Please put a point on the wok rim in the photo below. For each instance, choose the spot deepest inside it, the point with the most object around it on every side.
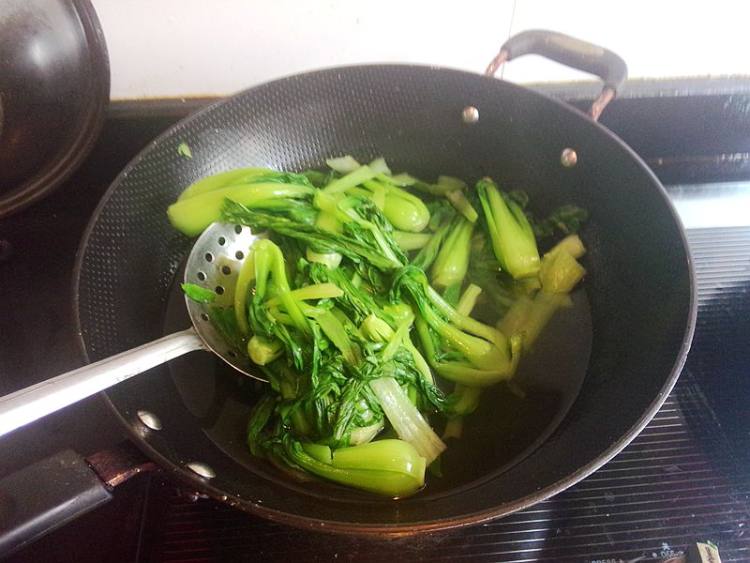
(401, 529)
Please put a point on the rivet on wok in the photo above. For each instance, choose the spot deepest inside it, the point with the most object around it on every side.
(149, 420)
(201, 469)
(568, 158)
(470, 114)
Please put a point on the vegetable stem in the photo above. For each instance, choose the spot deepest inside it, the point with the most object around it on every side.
(510, 231)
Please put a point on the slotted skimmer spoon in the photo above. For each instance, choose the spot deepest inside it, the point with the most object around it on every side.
(214, 263)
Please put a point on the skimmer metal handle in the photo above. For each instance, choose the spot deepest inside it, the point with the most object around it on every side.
(35, 402)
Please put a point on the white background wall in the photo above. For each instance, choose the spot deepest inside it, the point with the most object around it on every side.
(181, 48)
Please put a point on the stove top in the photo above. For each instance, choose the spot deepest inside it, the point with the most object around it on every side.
(684, 479)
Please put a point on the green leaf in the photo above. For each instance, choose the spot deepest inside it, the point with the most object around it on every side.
(225, 321)
(352, 244)
(198, 293)
(566, 219)
(193, 215)
(520, 197)
(184, 150)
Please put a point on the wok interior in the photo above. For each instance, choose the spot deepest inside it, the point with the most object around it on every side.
(638, 285)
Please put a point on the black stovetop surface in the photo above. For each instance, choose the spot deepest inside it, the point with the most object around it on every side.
(684, 479)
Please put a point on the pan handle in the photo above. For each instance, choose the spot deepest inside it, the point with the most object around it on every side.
(571, 52)
(37, 401)
(48, 494)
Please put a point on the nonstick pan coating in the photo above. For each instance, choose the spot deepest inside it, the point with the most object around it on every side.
(639, 286)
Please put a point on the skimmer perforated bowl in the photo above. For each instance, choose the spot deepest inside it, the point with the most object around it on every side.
(214, 263)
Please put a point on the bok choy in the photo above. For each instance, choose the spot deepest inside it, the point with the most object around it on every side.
(359, 305)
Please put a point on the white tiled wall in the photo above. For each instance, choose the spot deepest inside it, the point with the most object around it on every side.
(161, 48)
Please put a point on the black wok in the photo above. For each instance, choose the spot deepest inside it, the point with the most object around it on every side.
(636, 310)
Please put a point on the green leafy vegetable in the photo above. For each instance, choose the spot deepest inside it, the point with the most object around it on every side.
(567, 219)
(459, 200)
(334, 306)
(343, 164)
(411, 241)
(458, 347)
(264, 350)
(528, 317)
(509, 230)
(404, 210)
(192, 215)
(452, 261)
(198, 293)
(222, 180)
(408, 422)
(184, 150)
(356, 244)
(560, 272)
(389, 467)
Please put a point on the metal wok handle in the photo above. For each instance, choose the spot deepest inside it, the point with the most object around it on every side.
(37, 401)
(571, 52)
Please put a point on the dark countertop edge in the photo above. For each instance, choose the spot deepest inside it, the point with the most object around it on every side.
(572, 91)
(650, 88)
